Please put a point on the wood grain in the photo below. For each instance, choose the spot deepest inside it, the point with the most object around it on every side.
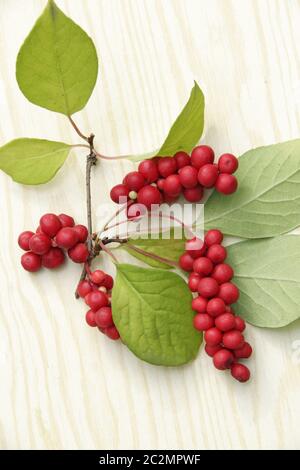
(63, 386)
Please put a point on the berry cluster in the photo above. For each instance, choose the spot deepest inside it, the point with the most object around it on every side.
(163, 179)
(96, 291)
(210, 277)
(46, 246)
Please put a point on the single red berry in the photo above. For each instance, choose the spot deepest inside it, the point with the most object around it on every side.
(199, 304)
(66, 237)
(40, 243)
(233, 339)
(226, 184)
(202, 155)
(223, 359)
(194, 279)
(167, 166)
(213, 336)
(103, 317)
(148, 196)
(119, 193)
(39, 230)
(90, 318)
(82, 232)
(207, 175)
(216, 253)
(182, 159)
(96, 300)
(228, 163)
(108, 282)
(148, 169)
(84, 288)
(50, 224)
(188, 176)
(222, 273)
(97, 277)
(212, 237)
(203, 266)
(211, 350)
(208, 287)
(172, 186)
(31, 261)
(134, 181)
(160, 183)
(193, 194)
(244, 352)
(79, 253)
(203, 322)
(195, 247)
(186, 262)
(215, 307)
(229, 293)
(112, 332)
(225, 322)
(240, 324)
(169, 199)
(66, 220)
(240, 372)
(24, 238)
(53, 259)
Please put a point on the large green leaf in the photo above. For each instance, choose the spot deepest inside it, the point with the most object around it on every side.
(32, 161)
(57, 65)
(267, 272)
(152, 311)
(267, 202)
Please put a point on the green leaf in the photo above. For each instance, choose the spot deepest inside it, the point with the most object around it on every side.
(152, 311)
(57, 65)
(33, 161)
(267, 202)
(170, 248)
(267, 272)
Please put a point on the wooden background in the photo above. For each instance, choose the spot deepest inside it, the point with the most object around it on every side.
(63, 385)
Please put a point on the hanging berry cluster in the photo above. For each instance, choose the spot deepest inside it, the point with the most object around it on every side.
(211, 278)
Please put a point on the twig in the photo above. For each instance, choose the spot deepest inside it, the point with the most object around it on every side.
(84, 137)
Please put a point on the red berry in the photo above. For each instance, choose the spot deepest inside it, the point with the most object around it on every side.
(148, 169)
(195, 247)
(211, 350)
(186, 262)
(66, 220)
(67, 237)
(169, 199)
(90, 318)
(40, 243)
(208, 287)
(84, 288)
(203, 265)
(167, 166)
(199, 304)
(194, 279)
(229, 293)
(103, 317)
(225, 322)
(244, 352)
(216, 253)
(24, 238)
(79, 253)
(39, 230)
(134, 181)
(108, 282)
(223, 359)
(182, 159)
(226, 184)
(212, 237)
(213, 336)
(193, 194)
(160, 183)
(82, 232)
(112, 332)
(240, 324)
(240, 372)
(228, 163)
(222, 273)
(172, 186)
(188, 176)
(119, 193)
(31, 261)
(97, 277)
(233, 339)
(207, 175)
(50, 224)
(96, 300)
(203, 322)
(202, 155)
(149, 195)
(53, 259)
(215, 307)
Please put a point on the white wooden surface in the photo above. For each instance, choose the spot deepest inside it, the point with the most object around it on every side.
(63, 385)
